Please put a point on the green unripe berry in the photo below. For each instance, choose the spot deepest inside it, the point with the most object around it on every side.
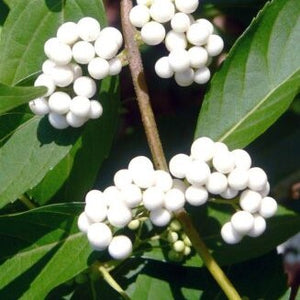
(175, 225)
(134, 224)
(179, 246)
(186, 240)
(187, 250)
(172, 236)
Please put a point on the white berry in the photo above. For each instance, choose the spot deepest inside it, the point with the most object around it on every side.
(163, 68)
(59, 102)
(229, 234)
(115, 66)
(153, 198)
(217, 183)
(62, 75)
(257, 179)
(153, 33)
(242, 159)
(242, 222)
(238, 179)
(83, 223)
(207, 24)
(98, 68)
(120, 247)
(39, 106)
(94, 195)
(180, 22)
(184, 78)
(99, 236)
(112, 33)
(198, 172)
(175, 40)
(88, 29)
(268, 207)
(122, 178)
(196, 196)
(75, 121)
(144, 179)
(139, 163)
(197, 34)
(198, 57)
(250, 201)
(162, 11)
(229, 193)
(67, 33)
(180, 185)
(187, 6)
(174, 200)
(214, 45)
(179, 165)
(96, 109)
(83, 52)
(85, 86)
(160, 217)
(132, 195)
(48, 66)
(77, 71)
(80, 106)
(47, 81)
(112, 195)
(223, 162)
(179, 60)
(58, 52)
(119, 215)
(202, 149)
(58, 121)
(139, 15)
(266, 190)
(202, 75)
(106, 48)
(259, 226)
(96, 210)
(163, 180)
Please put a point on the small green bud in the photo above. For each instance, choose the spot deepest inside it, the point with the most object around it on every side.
(172, 236)
(186, 240)
(187, 250)
(175, 225)
(134, 224)
(179, 246)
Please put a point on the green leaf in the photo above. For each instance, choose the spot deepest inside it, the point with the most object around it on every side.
(258, 80)
(29, 154)
(21, 50)
(40, 249)
(209, 220)
(11, 97)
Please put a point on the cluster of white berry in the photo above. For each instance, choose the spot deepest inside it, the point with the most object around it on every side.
(191, 43)
(138, 186)
(80, 53)
(213, 169)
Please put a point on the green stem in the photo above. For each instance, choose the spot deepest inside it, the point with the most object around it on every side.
(143, 99)
(110, 280)
(27, 202)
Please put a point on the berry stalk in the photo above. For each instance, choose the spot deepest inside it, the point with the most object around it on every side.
(141, 89)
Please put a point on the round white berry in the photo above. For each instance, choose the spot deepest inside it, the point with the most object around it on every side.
(48, 66)
(229, 193)
(139, 15)
(172, 236)
(122, 178)
(83, 52)
(39, 106)
(214, 45)
(179, 60)
(80, 106)
(88, 29)
(242, 159)
(132, 195)
(202, 75)
(250, 201)
(98, 68)
(47, 81)
(96, 210)
(229, 234)
(144, 2)
(58, 52)
(153, 198)
(75, 121)
(179, 165)
(99, 236)
(139, 163)
(202, 149)
(94, 195)
(59, 102)
(180, 22)
(62, 75)
(217, 183)
(106, 47)
(184, 78)
(218, 146)
(174, 200)
(198, 172)
(83, 223)
(144, 179)
(266, 190)
(180, 185)
(112, 195)
(160, 217)
(85, 86)
(238, 179)
(67, 33)
(162, 68)
(163, 180)
(259, 226)
(197, 34)
(120, 247)
(268, 207)
(77, 71)
(112, 33)
(196, 196)
(162, 11)
(207, 24)
(242, 222)
(115, 66)
(96, 109)
(119, 215)
(175, 40)
(198, 57)
(58, 121)
(134, 224)
(257, 179)
(223, 162)
(179, 246)
(187, 6)
(153, 33)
